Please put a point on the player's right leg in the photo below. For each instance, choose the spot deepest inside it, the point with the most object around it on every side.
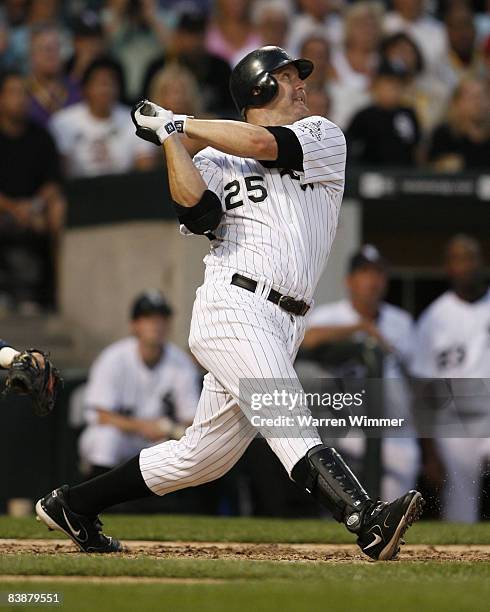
(250, 348)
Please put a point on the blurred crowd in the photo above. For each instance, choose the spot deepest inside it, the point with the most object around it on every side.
(408, 82)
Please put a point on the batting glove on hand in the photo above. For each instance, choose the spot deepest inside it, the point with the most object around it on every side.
(154, 123)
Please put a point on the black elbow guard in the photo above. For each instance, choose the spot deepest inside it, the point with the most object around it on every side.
(204, 217)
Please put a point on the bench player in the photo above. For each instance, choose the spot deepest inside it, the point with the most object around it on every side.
(452, 341)
(268, 198)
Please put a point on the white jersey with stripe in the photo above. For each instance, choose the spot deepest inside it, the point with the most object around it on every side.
(279, 224)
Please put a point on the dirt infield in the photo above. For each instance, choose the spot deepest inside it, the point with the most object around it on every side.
(255, 552)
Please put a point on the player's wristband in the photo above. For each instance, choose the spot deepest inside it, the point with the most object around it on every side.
(166, 130)
(180, 121)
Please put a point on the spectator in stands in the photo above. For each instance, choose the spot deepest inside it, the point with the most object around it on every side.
(452, 341)
(316, 48)
(13, 13)
(88, 44)
(462, 58)
(271, 19)
(486, 61)
(23, 18)
(31, 203)
(141, 389)
(175, 88)
(429, 34)
(316, 16)
(319, 102)
(318, 86)
(135, 32)
(4, 43)
(425, 92)
(386, 133)
(96, 136)
(362, 315)
(356, 61)
(464, 140)
(230, 33)
(187, 47)
(49, 90)
(482, 22)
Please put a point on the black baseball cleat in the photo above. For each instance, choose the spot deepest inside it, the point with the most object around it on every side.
(54, 511)
(384, 525)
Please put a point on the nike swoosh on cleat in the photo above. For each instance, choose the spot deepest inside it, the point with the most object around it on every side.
(76, 534)
(377, 540)
(384, 522)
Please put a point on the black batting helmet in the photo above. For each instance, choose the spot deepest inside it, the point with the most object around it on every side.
(252, 82)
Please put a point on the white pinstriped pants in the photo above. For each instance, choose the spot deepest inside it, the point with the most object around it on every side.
(234, 334)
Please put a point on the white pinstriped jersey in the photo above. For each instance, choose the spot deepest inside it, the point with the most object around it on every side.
(279, 225)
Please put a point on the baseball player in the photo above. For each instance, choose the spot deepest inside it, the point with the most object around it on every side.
(452, 341)
(141, 389)
(267, 193)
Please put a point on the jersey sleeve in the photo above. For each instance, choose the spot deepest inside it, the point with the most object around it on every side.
(103, 383)
(212, 174)
(324, 151)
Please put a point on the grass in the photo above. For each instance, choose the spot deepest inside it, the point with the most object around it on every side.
(248, 585)
(297, 587)
(212, 529)
(230, 569)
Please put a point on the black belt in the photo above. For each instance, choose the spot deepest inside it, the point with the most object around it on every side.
(289, 304)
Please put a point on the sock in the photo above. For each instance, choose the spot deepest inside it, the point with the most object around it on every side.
(123, 483)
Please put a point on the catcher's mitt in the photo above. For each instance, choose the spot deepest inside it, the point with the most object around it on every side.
(26, 376)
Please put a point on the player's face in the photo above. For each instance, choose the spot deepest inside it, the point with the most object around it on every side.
(151, 330)
(463, 264)
(367, 285)
(290, 101)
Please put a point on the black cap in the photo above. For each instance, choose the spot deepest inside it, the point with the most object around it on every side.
(393, 69)
(367, 256)
(252, 82)
(150, 302)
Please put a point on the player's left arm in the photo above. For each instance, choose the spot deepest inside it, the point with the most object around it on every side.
(234, 137)
(313, 145)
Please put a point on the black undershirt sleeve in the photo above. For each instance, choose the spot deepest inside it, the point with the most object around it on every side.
(289, 151)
